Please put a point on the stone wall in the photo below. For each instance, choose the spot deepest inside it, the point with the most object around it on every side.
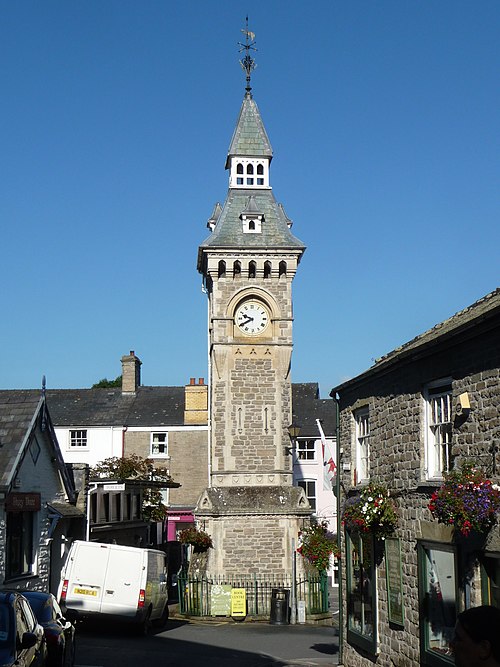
(187, 460)
(396, 408)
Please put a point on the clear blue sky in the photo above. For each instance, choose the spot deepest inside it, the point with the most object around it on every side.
(116, 118)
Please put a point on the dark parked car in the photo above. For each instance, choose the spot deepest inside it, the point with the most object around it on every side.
(22, 641)
(59, 632)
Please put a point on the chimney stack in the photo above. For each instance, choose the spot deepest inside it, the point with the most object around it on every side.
(196, 402)
(131, 373)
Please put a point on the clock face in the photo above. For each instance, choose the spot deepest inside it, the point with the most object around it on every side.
(252, 318)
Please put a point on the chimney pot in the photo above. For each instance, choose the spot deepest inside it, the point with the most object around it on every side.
(192, 381)
(201, 381)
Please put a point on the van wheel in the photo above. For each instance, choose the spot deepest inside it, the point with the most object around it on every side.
(143, 626)
(162, 621)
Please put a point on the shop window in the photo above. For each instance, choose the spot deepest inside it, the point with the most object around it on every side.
(438, 602)
(490, 579)
(361, 592)
(19, 551)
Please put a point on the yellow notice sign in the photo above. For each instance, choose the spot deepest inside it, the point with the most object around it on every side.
(238, 602)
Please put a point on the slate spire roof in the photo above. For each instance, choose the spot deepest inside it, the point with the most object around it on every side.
(249, 140)
(250, 137)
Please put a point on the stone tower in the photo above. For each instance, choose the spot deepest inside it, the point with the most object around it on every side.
(248, 263)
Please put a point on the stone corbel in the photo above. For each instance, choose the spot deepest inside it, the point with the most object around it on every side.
(220, 360)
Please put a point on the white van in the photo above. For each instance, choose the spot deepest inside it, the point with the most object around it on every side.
(115, 581)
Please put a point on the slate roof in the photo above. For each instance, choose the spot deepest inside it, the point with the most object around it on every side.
(18, 410)
(249, 140)
(250, 137)
(479, 313)
(307, 407)
(228, 231)
(150, 406)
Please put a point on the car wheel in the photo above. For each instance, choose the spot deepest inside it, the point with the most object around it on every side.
(143, 626)
(162, 621)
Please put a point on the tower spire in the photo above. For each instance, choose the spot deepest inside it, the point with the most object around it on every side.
(248, 63)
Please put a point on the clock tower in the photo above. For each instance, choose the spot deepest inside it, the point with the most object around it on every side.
(248, 264)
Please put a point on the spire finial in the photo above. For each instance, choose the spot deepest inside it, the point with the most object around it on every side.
(248, 63)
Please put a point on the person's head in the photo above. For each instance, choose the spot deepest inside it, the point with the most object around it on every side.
(477, 637)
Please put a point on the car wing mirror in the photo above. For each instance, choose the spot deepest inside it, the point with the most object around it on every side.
(29, 639)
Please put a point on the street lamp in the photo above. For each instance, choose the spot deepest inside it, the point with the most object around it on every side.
(293, 432)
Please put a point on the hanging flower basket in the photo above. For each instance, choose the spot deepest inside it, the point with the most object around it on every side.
(467, 500)
(316, 545)
(200, 540)
(372, 511)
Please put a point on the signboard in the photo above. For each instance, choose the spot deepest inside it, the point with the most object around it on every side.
(238, 602)
(394, 580)
(23, 502)
(113, 487)
(220, 600)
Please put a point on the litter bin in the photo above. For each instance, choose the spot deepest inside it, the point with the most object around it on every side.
(280, 606)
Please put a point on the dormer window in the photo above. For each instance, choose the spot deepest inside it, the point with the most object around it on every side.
(252, 225)
(251, 217)
(249, 173)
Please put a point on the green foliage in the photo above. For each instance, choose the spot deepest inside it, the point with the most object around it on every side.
(135, 468)
(199, 539)
(108, 384)
(316, 545)
(372, 511)
(466, 500)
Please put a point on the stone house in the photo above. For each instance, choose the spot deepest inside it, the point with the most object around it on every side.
(40, 511)
(420, 411)
(165, 424)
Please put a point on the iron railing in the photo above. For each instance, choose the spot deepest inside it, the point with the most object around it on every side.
(195, 592)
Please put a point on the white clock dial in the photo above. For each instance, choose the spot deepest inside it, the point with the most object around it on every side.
(252, 318)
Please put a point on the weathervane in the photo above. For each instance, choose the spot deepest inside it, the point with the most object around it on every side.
(248, 63)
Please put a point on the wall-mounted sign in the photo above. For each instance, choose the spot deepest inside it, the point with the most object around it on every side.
(23, 502)
(394, 580)
(113, 487)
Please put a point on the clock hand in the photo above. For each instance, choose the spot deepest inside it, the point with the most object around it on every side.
(247, 319)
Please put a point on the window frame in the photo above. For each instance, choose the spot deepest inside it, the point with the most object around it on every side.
(428, 657)
(435, 463)
(25, 552)
(486, 579)
(362, 444)
(306, 481)
(304, 447)
(159, 455)
(78, 439)
(365, 545)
